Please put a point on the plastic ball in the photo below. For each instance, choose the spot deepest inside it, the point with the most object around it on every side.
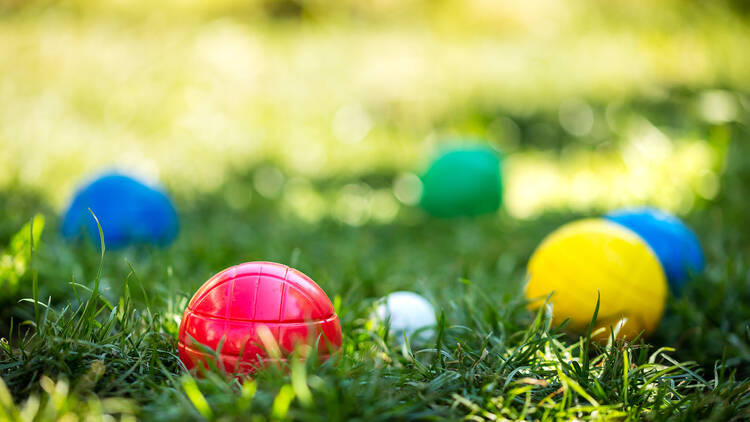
(463, 182)
(677, 247)
(257, 313)
(408, 314)
(595, 255)
(129, 212)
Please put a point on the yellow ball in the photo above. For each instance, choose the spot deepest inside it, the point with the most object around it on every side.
(588, 255)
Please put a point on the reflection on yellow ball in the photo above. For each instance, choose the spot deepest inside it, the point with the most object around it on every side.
(582, 257)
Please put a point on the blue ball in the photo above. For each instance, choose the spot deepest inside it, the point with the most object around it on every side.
(129, 212)
(677, 247)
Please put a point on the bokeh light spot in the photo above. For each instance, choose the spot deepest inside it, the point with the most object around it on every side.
(384, 206)
(717, 106)
(304, 201)
(238, 195)
(576, 117)
(268, 181)
(353, 205)
(351, 124)
(407, 188)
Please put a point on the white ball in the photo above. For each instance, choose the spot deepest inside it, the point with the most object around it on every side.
(408, 313)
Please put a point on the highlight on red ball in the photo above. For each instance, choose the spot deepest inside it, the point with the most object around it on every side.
(254, 314)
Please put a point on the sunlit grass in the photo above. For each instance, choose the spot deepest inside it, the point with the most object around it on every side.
(190, 98)
(295, 131)
(670, 178)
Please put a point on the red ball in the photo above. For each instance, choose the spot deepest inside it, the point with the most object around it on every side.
(238, 307)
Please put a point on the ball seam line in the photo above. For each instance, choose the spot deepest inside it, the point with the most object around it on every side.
(236, 274)
(284, 286)
(200, 299)
(257, 288)
(292, 321)
(222, 355)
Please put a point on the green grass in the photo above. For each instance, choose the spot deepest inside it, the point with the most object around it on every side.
(106, 342)
(85, 335)
(90, 84)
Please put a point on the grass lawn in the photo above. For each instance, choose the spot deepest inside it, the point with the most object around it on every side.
(91, 335)
(113, 350)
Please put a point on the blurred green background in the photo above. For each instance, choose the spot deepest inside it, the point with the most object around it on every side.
(294, 131)
(596, 105)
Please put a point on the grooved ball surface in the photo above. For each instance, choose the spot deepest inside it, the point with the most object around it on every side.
(237, 305)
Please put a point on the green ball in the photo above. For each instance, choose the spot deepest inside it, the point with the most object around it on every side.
(463, 182)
